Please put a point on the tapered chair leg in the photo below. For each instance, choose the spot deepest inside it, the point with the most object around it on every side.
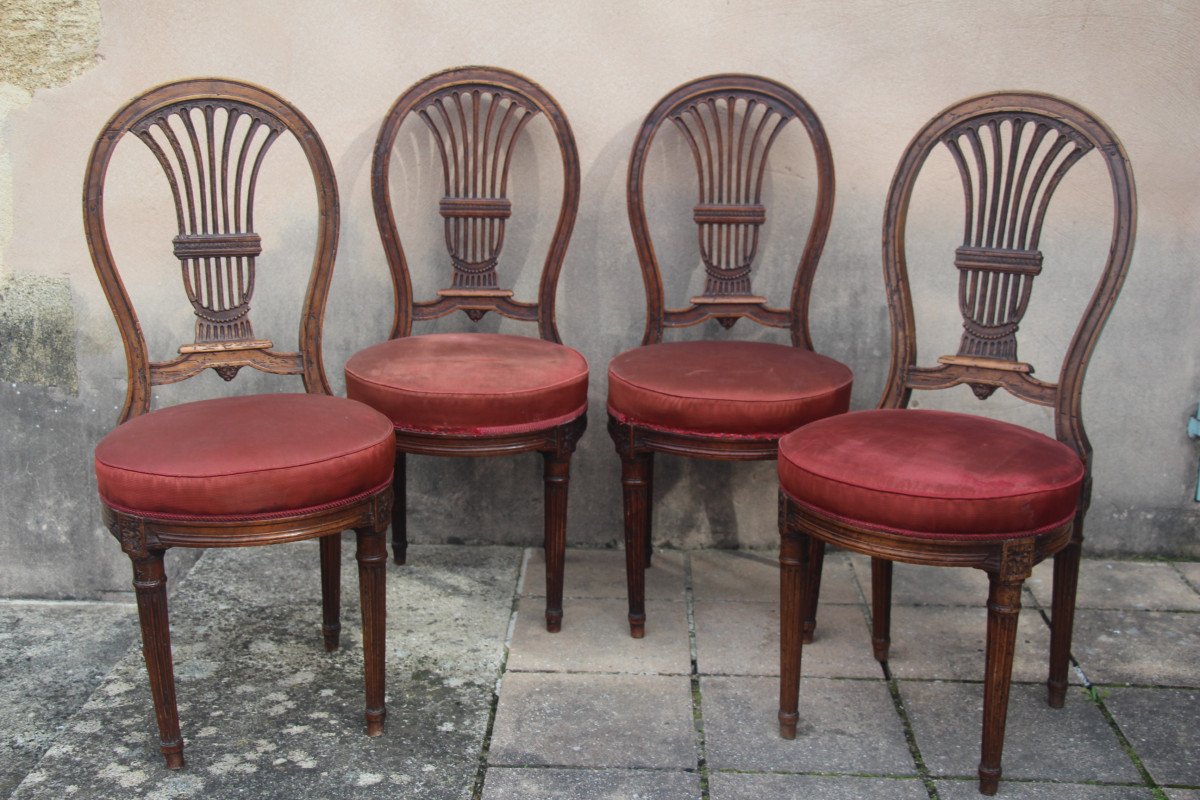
(400, 511)
(371, 554)
(331, 589)
(649, 509)
(794, 566)
(881, 608)
(812, 587)
(557, 476)
(1004, 607)
(1062, 617)
(634, 489)
(150, 583)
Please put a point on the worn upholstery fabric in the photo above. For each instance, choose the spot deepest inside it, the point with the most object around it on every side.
(245, 457)
(932, 473)
(470, 383)
(726, 387)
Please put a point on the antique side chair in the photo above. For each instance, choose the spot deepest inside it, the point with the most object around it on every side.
(478, 394)
(724, 400)
(955, 489)
(245, 470)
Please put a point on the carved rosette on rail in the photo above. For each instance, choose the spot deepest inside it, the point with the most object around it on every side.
(212, 153)
(730, 137)
(1010, 167)
(476, 128)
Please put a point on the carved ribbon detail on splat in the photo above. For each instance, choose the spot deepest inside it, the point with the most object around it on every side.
(212, 152)
(1010, 167)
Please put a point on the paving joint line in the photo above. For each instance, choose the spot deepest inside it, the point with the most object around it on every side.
(697, 708)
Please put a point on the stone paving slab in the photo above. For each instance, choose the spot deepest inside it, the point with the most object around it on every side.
(594, 720)
(846, 726)
(949, 643)
(1073, 743)
(1138, 647)
(1021, 790)
(914, 584)
(267, 713)
(595, 638)
(601, 573)
(1163, 725)
(753, 576)
(52, 656)
(748, 786)
(1190, 570)
(515, 783)
(1146, 585)
(743, 639)
(1182, 794)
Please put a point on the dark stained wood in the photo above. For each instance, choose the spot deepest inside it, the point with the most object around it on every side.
(1008, 181)
(730, 123)
(475, 116)
(211, 136)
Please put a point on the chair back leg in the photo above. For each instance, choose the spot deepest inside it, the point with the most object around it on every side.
(1062, 614)
(636, 495)
(331, 589)
(400, 510)
(881, 608)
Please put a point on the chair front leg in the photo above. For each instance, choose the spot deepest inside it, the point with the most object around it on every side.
(556, 472)
(1004, 608)
(1062, 615)
(400, 510)
(371, 554)
(331, 589)
(150, 583)
(881, 608)
(649, 509)
(635, 495)
(795, 553)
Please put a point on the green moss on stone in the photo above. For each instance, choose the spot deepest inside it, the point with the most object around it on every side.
(37, 331)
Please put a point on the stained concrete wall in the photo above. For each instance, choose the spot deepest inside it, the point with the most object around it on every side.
(875, 71)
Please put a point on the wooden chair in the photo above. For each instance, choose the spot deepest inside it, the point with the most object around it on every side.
(952, 489)
(724, 400)
(246, 470)
(478, 394)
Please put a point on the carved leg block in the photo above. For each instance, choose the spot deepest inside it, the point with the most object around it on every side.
(1062, 619)
(794, 565)
(635, 493)
(1004, 607)
(557, 476)
(150, 583)
(331, 589)
(881, 608)
(372, 562)
(400, 511)
(812, 588)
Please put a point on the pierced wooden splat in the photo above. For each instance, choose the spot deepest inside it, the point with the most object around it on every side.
(730, 135)
(476, 128)
(1010, 165)
(212, 152)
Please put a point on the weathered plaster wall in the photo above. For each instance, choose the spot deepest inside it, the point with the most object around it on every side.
(875, 71)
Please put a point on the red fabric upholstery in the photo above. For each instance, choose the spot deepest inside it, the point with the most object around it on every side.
(932, 473)
(470, 383)
(245, 457)
(726, 387)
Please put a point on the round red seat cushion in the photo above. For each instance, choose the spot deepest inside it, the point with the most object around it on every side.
(932, 473)
(245, 457)
(726, 387)
(470, 383)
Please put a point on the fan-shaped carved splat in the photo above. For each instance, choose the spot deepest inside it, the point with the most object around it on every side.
(730, 136)
(476, 128)
(1010, 167)
(211, 152)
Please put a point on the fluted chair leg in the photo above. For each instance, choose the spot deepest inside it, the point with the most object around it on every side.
(331, 589)
(1004, 607)
(794, 566)
(634, 488)
(1062, 617)
(649, 509)
(812, 587)
(150, 583)
(881, 607)
(371, 555)
(400, 511)
(557, 477)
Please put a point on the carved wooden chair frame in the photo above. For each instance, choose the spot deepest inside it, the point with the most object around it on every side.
(218, 273)
(728, 214)
(475, 208)
(997, 262)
